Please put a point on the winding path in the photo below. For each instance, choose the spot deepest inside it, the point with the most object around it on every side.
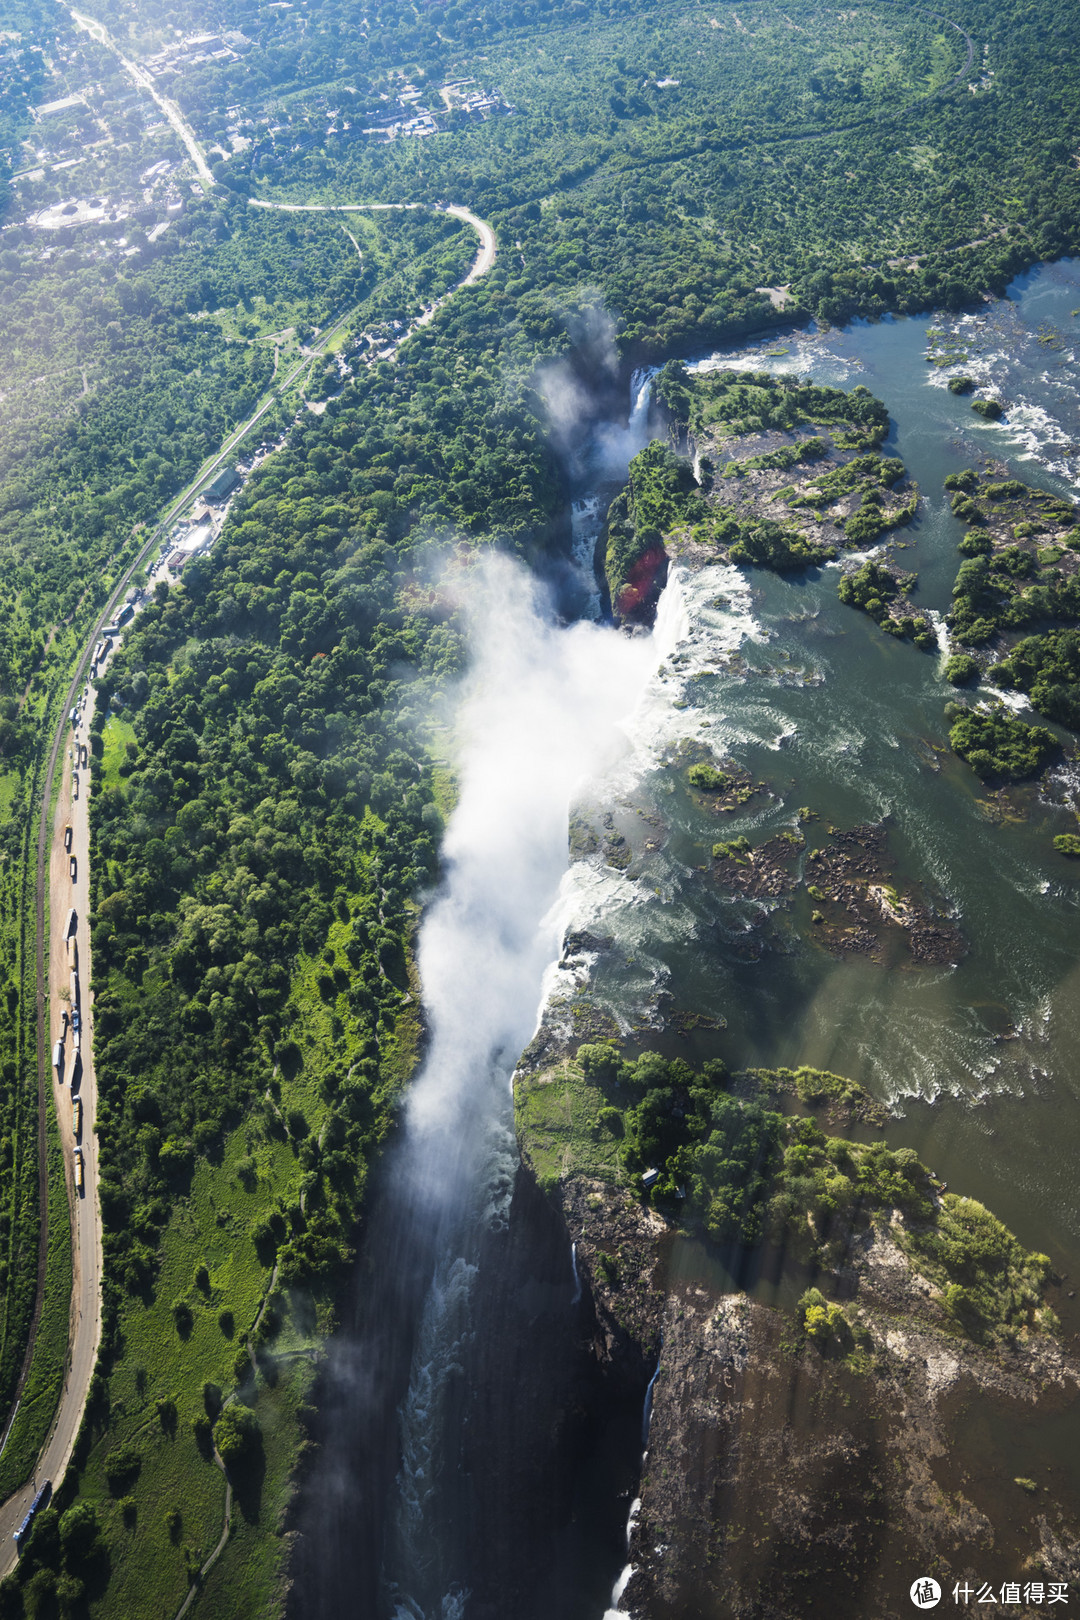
(54, 880)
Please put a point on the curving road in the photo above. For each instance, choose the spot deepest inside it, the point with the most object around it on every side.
(483, 262)
(65, 886)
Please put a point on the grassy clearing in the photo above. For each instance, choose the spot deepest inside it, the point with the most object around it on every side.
(246, 1578)
(444, 789)
(154, 1555)
(558, 1119)
(46, 1379)
(115, 738)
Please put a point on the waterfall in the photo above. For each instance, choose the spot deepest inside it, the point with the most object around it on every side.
(614, 1612)
(646, 1416)
(606, 459)
(540, 714)
(623, 1581)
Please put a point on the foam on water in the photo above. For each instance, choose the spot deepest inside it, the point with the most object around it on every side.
(1016, 701)
(808, 350)
(701, 617)
(941, 634)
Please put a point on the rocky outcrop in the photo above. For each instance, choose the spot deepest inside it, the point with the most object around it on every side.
(783, 1481)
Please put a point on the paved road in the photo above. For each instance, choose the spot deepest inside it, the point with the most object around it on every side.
(75, 1077)
(145, 82)
(480, 266)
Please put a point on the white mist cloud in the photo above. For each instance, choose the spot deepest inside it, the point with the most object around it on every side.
(540, 715)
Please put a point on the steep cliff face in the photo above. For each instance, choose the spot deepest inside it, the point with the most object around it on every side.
(783, 1480)
(552, 1427)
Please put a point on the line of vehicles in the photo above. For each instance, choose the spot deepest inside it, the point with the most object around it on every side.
(73, 1012)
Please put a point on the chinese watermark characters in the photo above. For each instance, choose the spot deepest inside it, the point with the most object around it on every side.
(1009, 1592)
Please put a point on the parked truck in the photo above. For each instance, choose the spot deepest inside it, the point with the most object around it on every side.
(76, 1117)
(78, 1162)
(72, 923)
(57, 1055)
(67, 838)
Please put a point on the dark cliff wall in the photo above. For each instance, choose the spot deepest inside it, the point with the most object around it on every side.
(553, 1432)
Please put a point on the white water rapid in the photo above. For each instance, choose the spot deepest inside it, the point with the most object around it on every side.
(540, 715)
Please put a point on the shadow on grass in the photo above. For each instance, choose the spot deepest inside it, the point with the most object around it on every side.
(246, 1477)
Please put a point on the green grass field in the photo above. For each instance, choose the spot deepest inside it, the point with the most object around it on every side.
(115, 738)
(557, 1114)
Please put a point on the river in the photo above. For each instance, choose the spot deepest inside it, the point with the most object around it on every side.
(979, 1061)
(427, 1473)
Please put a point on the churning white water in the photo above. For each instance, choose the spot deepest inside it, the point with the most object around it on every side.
(540, 714)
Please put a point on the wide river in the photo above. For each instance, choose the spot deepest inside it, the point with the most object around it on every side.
(981, 1060)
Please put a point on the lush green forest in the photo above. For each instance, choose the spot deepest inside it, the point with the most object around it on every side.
(263, 817)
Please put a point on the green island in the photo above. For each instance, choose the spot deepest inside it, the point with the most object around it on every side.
(746, 434)
(998, 746)
(882, 593)
(1019, 571)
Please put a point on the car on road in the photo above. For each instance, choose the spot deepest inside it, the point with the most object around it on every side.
(76, 1020)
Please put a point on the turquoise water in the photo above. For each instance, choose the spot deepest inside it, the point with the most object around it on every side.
(979, 1060)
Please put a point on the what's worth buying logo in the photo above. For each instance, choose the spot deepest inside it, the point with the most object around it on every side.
(925, 1593)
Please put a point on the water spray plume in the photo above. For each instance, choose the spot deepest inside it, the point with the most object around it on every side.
(539, 717)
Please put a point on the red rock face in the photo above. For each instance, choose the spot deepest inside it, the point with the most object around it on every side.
(646, 578)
